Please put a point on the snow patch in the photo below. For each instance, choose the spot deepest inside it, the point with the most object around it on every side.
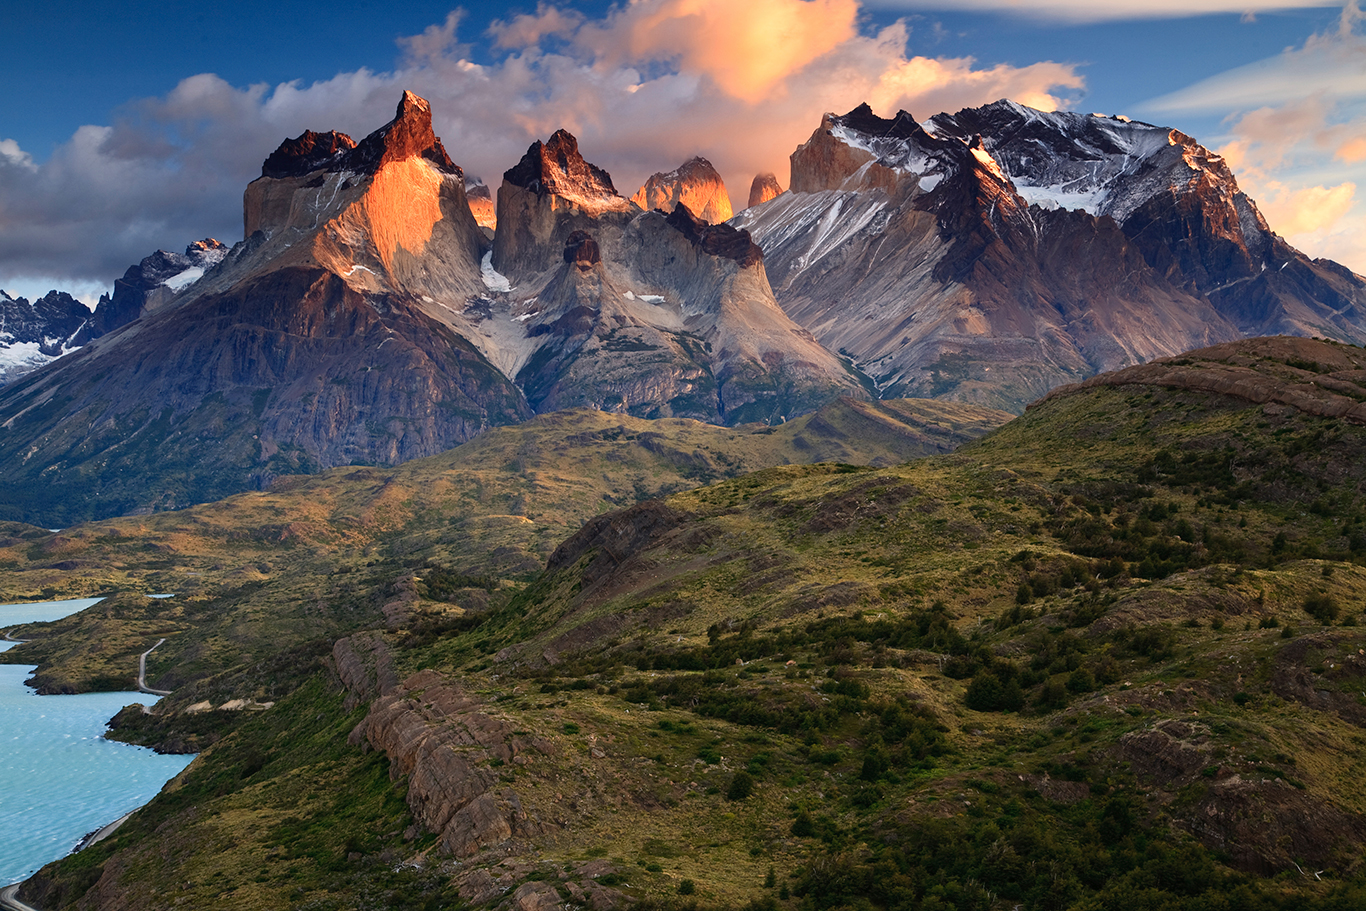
(493, 279)
(22, 356)
(184, 279)
(1087, 199)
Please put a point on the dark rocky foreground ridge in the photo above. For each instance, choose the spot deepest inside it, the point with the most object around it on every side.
(1106, 656)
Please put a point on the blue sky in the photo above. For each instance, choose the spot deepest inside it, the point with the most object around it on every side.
(132, 126)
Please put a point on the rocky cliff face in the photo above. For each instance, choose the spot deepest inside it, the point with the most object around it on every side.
(634, 311)
(993, 254)
(389, 214)
(695, 184)
(441, 740)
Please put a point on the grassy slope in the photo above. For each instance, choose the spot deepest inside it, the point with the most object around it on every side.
(1052, 670)
(316, 556)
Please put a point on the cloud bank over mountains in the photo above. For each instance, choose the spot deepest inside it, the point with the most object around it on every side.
(644, 87)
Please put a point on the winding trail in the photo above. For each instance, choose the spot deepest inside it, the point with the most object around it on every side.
(9, 899)
(8, 638)
(142, 673)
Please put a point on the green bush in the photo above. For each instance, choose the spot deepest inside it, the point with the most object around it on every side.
(741, 786)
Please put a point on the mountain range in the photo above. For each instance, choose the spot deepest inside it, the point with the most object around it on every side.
(383, 307)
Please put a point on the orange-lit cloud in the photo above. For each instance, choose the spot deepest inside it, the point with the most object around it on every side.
(749, 49)
(1304, 210)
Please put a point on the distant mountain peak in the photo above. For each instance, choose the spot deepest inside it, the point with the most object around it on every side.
(695, 183)
(764, 188)
(556, 168)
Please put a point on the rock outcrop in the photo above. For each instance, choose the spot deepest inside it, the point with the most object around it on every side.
(763, 188)
(441, 740)
(695, 184)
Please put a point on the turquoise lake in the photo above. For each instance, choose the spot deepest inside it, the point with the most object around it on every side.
(59, 777)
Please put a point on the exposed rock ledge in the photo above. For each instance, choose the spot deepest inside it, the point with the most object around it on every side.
(441, 740)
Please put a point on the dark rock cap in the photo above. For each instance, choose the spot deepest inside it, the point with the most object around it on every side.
(862, 119)
(717, 240)
(557, 167)
(582, 250)
(408, 134)
(306, 154)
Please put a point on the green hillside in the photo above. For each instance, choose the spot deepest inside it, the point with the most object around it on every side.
(1106, 657)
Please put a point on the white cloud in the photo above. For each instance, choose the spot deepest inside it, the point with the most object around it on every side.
(644, 88)
(1104, 10)
(14, 156)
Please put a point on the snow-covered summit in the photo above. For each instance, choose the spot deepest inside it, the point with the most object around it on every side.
(1103, 165)
(33, 334)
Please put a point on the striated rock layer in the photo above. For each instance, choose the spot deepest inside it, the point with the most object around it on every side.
(441, 740)
(996, 253)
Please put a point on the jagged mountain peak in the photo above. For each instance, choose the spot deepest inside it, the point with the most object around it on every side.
(863, 120)
(695, 183)
(389, 214)
(556, 168)
(763, 188)
(861, 149)
(307, 153)
(993, 253)
(408, 135)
